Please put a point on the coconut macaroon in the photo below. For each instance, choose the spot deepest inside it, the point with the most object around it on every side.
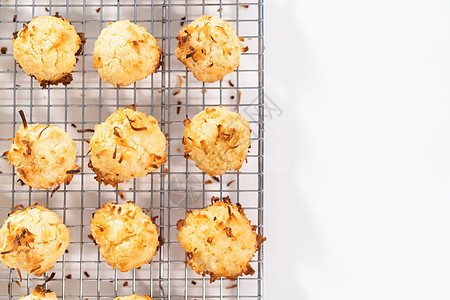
(127, 237)
(43, 155)
(134, 297)
(217, 140)
(40, 293)
(46, 49)
(33, 239)
(209, 47)
(125, 52)
(219, 240)
(128, 144)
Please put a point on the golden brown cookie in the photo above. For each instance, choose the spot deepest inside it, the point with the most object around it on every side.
(46, 47)
(219, 240)
(40, 293)
(125, 52)
(209, 47)
(127, 237)
(134, 297)
(128, 144)
(217, 140)
(43, 155)
(33, 239)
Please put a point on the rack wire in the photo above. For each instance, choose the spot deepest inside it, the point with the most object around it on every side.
(178, 186)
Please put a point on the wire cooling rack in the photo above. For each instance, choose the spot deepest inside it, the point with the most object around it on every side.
(179, 185)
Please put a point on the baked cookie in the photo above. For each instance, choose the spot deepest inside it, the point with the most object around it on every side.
(209, 47)
(219, 240)
(125, 52)
(127, 237)
(40, 293)
(134, 297)
(33, 239)
(217, 140)
(43, 155)
(128, 144)
(46, 47)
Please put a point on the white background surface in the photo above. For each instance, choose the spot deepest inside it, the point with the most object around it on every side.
(357, 202)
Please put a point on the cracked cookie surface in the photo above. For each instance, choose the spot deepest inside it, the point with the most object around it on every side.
(219, 240)
(125, 52)
(33, 239)
(126, 236)
(46, 48)
(128, 144)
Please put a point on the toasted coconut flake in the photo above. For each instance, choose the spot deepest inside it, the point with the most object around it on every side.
(92, 239)
(40, 133)
(230, 182)
(135, 128)
(18, 206)
(186, 121)
(20, 275)
(115, 152)
(24, 120)
(73, 171)
(85, 130)
(116, 133)
(178, 107)
(54, 191)
(132, 106)
(189, 55)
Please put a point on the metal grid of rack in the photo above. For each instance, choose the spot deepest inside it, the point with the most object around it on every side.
(179, 185)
